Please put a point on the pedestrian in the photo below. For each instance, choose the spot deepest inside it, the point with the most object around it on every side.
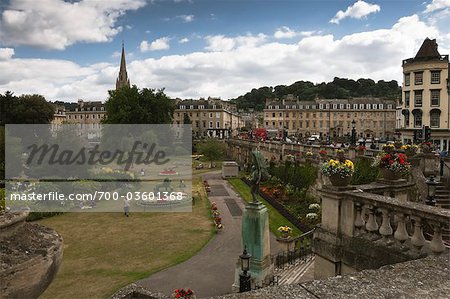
(441, 162)
(126, 207)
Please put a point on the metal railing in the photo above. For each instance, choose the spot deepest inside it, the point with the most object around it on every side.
(301, 252)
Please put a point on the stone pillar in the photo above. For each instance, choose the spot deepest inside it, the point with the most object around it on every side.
(338, 216)
(255, 236)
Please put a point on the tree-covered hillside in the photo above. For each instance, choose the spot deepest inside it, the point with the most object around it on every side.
(339, 88)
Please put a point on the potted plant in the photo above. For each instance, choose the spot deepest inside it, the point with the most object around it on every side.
(339, 171)
(323, 153)
(393, 165)
(398, 144)
(410, 149)
(388, 148)
(427, 147)
(285, 231)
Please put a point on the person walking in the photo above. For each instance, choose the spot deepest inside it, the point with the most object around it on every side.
(126, 207)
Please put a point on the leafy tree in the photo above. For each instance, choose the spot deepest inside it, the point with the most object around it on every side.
(130, 105)
(25, 109)
(212, 149)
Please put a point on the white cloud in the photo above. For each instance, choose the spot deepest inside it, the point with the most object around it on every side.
(6, 53)
(437, 5)
(284, 32)
(358, 10)
(156, 45)
(219, 43)
(233, 65)
(186, 18)
(184, 40)
(56, 24)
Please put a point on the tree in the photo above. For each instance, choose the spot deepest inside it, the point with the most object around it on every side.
(212, 149)
(25, 109)
(130, 105)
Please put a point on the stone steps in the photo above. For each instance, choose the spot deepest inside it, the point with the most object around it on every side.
(294, 273)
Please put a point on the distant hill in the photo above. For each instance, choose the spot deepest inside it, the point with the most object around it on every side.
(339, 88)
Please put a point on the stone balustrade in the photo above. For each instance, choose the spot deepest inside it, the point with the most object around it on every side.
(369, 226)
(387, 219)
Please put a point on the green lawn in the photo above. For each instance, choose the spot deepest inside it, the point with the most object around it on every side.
(106, 251)
(275, 218)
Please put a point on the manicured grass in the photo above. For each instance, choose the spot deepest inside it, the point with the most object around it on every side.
(275, 218)
(105, 251)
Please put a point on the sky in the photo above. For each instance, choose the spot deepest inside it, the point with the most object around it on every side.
(70, 50)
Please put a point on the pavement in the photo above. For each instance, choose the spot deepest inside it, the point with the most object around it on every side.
(211, 271)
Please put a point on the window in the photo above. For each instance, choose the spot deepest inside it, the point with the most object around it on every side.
(418, 120)
(334, 106)
(287, 106)
(201, 107)
(406, 124)
(320, 106)
(277, 107)
(389, 106)
(294, 107)
(327, 106)
(270, 107)
(435, 97)
(407, 97)
(341, 106)
(407, 79)
(217, 114)
(191, 107)
(273, 114)
(204, 124)
(214, 106)
(361, 106)
(218, 124)
(210, 125)
(434, 119)
(210, 115)
(369, 106)
(348, 106)
(381, 106)
(418, 78)
(281, 114)
(355, 106)
(375, 106)
(418, 98)
(182, 107)
(197, 124)
(435, 77)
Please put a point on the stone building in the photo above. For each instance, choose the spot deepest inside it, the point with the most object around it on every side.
(425, 95)
(374, 117)
(88, 116)
(209, 118)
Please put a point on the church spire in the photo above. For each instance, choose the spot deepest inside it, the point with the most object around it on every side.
(122, 80)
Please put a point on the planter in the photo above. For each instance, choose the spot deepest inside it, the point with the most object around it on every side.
(391, 175)
(338, 181)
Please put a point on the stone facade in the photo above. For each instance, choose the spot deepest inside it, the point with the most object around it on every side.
(209, 118)
(425, 95)
(375, 118)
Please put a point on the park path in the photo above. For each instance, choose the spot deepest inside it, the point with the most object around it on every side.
(211, 271)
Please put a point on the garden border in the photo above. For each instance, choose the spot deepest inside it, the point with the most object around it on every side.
(281, 209)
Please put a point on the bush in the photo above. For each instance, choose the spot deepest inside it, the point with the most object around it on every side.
(364, 173)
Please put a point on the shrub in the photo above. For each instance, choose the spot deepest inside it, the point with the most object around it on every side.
(365, 172)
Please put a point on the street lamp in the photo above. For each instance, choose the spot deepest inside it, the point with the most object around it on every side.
(354, 132)
(431, 183)
(244, 277)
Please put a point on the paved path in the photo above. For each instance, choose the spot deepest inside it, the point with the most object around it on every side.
(211, 271)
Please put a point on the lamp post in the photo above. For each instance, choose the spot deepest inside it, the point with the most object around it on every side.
(244, 277)
(353, 133)
(431, 183)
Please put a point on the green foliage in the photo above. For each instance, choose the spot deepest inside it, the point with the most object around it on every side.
(364, 173)
(212, 149)
(25, 109)
(275, 218)
(340, 88)
(299, 176)
(130, 105)
(33, 216)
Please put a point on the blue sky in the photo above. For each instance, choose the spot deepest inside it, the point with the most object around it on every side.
(69, 50)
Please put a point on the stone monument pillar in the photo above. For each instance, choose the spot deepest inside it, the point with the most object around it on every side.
(255, 236)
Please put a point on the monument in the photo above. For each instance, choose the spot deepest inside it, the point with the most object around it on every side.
(255, 227)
